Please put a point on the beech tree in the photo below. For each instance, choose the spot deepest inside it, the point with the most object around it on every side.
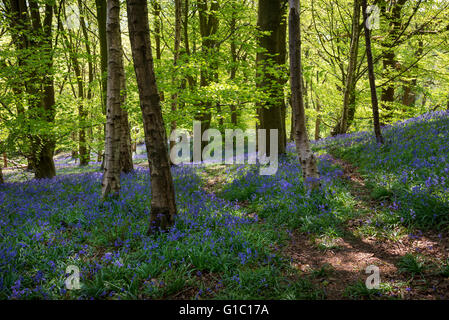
(351, 79)
(306, 157)
(30, 27)
(176, 53)
(270, 60)
(163, 205)
(371, 76)
(111, 176)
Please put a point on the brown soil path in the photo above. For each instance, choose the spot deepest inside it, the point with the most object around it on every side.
(346, 260)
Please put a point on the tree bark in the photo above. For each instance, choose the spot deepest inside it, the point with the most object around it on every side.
(409, 87)
(45, 166)
(163, 205)
(85, 157)
(389, 61)
(75, 64)
(176, 52)
(343, 126)
(111, 176)
(233, 72)
(270, 113)
(318, 120)
(158, 34)
(101, 7)
(306, 157)
(126, 157)
(208, 28)
(372, 81)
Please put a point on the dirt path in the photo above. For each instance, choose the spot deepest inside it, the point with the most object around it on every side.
(344, 264)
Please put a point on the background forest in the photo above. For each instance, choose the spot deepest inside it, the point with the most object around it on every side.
(210, 63)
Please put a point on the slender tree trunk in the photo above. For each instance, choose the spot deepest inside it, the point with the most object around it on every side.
(318, 120)
(101, 21)
(389, 61)
(157, 27)
(126, 157)
(282, 80)
(190, 79)
(101, 7)
(5, 160)
(85, 158)
(158, 34)
(111, 176)
(306, 157)
(292, 120)
(388, 92)
(233, 72)
(178, 25)
(163, 205)
(74, 62)
(208, 28)
(372, 81)
(409, 87)
(1, 176)
(349, 96)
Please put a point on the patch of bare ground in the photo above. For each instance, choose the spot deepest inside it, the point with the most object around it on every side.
(348, 257)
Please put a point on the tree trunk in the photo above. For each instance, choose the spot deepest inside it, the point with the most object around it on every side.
(271, 19)
(101, 21)
(372, 81)
(158, 34)
(318, 120)
(74, 62)
(350, 84)
(101, 7)
(163, 205)
(409, 87)
(178, 24)
(388, 92)
(111, 176)
(45, 166)
(126, 157)
(292, 120)
(234, 59)
(389, 61)
(32, 38)
(306, 157)
(1, 176)
(208, 28)
(85, 157)
(282, 80)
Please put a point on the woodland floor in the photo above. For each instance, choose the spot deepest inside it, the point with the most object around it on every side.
(413, 264)
(337, 266)
(344, 264)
